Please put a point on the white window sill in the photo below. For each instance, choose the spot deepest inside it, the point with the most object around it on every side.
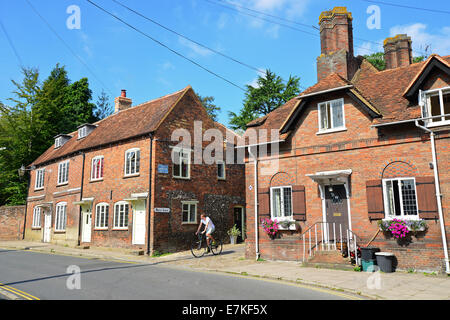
(62, 184)
(182, 178)
(120, 229)
(415, 218)
(38, 189)
(100, 229)
(96, 180)
(131, 175)
(331, 130)
(189, 223)
(438, 123)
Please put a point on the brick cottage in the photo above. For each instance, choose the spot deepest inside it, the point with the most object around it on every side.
(113, 183)
(359, 147)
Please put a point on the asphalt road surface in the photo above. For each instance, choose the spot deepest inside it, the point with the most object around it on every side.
(33, 275)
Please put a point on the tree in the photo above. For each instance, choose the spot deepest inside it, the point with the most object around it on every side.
(103, 108)
(377, 60)
(210, 107)
(269, 93)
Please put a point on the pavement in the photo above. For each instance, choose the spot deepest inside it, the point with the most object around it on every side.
(380, 286)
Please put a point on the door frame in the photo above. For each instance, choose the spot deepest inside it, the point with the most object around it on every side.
(47, 212)
(243, 221)
(86, 210)
(142, 205)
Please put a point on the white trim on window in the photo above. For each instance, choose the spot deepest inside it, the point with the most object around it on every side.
(191, 216)
(82, 132)
(327, 124)
(221, 174)
(184, 159)
(97, 166)
(61, 216)
(36, 217)
(58, 142)
(63, 172)
(132, 164)
(101, 216)
(39, 182)
(403, 199)
(284, 209)
(121, 215)
(425, 99)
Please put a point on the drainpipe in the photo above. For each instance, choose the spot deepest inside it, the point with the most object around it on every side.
(80, 218)
(149, 206)
(254, 156)
(438, 194)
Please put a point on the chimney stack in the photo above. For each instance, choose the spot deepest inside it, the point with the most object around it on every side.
(336, 43)
(122, 102)
(397, 51)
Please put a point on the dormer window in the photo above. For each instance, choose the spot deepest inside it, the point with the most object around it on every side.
(331, 116)
(61, 139)
(436, 103)
(85, 129)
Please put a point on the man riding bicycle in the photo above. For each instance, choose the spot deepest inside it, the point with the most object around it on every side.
(209, 228)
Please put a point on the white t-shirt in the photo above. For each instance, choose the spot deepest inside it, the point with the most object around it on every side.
(205, 222)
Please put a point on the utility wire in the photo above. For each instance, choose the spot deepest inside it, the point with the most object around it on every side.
(68, 47)
(189, 39)
(407, 7)
(217, 2)
(165, 46)
(11, 44)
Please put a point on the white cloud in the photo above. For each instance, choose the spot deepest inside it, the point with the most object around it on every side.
(438, 42)
(196, 50)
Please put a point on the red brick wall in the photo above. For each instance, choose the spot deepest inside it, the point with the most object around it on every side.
(368, 152)
(11, 222)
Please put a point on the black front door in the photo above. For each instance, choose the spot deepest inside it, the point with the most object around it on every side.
(238, 220)
(337, 209)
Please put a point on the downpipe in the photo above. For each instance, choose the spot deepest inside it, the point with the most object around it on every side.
(256, 201)
(438, 194)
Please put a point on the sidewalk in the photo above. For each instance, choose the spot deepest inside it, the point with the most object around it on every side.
(390, 286)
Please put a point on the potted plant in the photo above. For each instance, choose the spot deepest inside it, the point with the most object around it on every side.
(396, 227)
(234, 232)
(287, 225)
(270, 227)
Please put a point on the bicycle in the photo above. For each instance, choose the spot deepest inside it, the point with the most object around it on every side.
(199, 246)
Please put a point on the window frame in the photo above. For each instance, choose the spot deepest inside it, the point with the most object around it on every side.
(332, 128)
(36, 218)
(66, 165)
(105, 213)
(39, 178)
(189, 203)
(58, 217)
(137, 160)
(58, 142)
(282, 207)
(403, 216)
(224, 177)
(82, 132)
(115, 220)
(102, 158)
(181, 151)
(426, 99)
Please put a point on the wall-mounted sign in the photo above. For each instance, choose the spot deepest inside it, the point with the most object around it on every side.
(163, 168)
(162, 210)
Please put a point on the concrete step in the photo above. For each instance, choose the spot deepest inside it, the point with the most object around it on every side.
(328, 259)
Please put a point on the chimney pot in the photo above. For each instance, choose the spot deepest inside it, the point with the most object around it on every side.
(123, 93)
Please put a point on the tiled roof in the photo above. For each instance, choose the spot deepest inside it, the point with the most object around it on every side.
(132, 122)
(382, 91)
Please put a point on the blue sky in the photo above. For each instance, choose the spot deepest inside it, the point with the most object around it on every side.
(118, 57)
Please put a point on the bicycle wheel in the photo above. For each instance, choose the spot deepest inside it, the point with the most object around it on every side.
(216, 248)
(198, 248)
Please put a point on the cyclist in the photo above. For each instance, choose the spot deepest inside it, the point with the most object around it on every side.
(209, 228)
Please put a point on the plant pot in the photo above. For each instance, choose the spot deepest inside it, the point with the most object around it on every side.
(233, 239)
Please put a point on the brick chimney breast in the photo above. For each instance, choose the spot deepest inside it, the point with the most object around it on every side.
(122, 102)
(398, 51)
(336, 44)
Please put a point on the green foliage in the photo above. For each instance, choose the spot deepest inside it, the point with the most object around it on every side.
(210, 107)
(269, 93)
(36, 113)
(377, 60)
(103, 108)
(234, 231)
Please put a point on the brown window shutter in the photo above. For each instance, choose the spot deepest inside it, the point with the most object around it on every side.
(264, 202)
(299, 203)
(426, 198)
(374, 194)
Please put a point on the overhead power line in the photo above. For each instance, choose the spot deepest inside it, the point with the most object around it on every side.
(11, 44)
(165, 46)
(68, 47)
(407, 7)
(234, 7)
(189, 39)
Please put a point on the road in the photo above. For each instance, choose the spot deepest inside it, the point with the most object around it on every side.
(33, 275)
